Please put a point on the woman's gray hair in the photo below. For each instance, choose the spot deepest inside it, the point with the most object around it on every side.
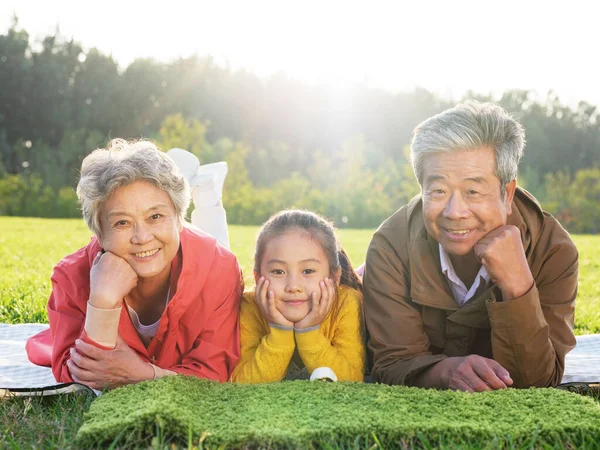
(122, 163)
(471, 126)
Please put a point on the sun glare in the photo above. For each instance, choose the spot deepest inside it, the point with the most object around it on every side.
(446, 47)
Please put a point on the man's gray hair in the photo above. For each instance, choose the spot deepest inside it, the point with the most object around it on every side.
(120, 164)
(471, 126)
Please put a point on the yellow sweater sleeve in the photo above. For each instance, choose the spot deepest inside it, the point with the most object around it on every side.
(265, 351)
(338, 344)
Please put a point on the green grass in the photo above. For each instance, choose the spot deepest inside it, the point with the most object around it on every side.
(29, 249)
(301, 414)
(49, 423)
(587, 309)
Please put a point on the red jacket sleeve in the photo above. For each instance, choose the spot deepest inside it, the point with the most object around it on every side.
(66, 313)
(67, 318)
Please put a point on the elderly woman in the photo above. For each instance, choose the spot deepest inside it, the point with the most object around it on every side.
(149, 296)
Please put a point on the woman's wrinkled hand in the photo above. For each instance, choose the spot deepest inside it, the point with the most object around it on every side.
(106, 369)
(111, 279)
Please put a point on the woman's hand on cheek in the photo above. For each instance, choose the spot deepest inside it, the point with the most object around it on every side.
(107, 369)
(266, 302)
(321, 305)
(111, 279)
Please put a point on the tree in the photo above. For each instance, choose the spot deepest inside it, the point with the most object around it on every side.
(190, 135)
(96, 98)
(15, 66)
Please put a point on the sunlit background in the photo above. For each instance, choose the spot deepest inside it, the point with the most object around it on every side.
(447, 47)
(311, 103)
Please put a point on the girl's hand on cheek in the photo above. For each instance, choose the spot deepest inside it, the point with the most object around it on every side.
(321, 305)
(266, 303)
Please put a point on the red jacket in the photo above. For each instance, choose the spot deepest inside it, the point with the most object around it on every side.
(198, 332)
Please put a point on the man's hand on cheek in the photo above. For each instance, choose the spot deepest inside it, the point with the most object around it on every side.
(501, 253)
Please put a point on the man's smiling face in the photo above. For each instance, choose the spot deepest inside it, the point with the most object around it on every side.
(462, 199)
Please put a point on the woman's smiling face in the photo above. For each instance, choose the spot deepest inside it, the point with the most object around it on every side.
(139, 224)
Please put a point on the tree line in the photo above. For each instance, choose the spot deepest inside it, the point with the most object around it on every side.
(340, 151)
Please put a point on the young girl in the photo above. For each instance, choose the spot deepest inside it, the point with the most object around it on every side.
(306, 310)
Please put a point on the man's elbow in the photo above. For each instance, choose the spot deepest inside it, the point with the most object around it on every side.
(551, 377)
(387, 373)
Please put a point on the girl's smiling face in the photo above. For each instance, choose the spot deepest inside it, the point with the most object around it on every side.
(294, 263)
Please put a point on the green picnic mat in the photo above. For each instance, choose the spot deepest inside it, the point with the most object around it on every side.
(303, 414)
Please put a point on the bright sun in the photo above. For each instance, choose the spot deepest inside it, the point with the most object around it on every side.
(446, 47)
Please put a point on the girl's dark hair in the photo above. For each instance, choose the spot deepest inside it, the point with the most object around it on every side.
(319, 229)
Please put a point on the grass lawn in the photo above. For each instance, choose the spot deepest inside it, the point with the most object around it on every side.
(308, 414)
(30, 247)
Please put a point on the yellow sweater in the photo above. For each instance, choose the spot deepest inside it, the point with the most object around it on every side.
(266, 351)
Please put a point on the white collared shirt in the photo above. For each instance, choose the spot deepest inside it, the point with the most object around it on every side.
(459, 290)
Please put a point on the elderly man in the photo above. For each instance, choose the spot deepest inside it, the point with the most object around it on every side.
(471, 286)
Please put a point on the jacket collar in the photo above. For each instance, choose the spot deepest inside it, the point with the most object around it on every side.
(190, 266)
(195, 258)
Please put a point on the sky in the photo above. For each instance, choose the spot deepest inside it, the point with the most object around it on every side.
(447, 47)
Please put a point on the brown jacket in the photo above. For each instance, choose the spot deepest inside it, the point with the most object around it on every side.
(413, 320)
